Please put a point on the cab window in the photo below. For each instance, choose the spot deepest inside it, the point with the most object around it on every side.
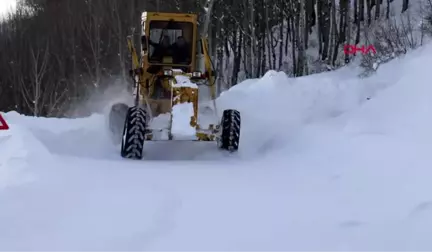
(170, 40)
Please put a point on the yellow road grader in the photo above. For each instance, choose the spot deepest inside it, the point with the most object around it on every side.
(168, 73)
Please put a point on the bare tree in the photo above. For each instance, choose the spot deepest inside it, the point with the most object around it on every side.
(33, 89)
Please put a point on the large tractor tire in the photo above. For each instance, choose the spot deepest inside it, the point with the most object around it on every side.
(116, 119)
(134, 130)
(230, 130)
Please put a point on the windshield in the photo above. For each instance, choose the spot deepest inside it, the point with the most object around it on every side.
(170, 42)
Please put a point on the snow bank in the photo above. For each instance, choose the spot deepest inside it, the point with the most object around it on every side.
(18, 149)
(56, 125)
(403, 109)
(83, 136)
(276, 107)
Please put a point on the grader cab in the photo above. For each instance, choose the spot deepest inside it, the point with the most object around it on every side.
(169, 72)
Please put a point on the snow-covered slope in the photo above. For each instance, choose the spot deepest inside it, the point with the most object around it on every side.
(327, 162)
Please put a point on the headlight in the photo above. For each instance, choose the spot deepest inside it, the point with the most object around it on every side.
(168, 72)
(196, 74)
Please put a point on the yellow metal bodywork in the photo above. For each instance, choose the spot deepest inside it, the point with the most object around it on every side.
(147, 81)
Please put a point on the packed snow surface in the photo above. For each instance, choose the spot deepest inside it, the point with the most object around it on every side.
(320, 167)
(181, 128)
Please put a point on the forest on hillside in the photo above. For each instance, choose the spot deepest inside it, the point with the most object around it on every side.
(56, 53)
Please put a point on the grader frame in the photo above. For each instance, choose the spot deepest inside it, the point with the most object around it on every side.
(180, 80)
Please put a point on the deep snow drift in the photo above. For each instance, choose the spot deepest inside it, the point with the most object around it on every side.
(321, 167)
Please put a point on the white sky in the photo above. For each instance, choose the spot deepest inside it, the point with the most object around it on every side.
(5, 5)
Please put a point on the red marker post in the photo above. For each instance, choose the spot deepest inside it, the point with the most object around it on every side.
(3, 124)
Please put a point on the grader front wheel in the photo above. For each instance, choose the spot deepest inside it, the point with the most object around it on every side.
(230, 126)
(132, 143)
